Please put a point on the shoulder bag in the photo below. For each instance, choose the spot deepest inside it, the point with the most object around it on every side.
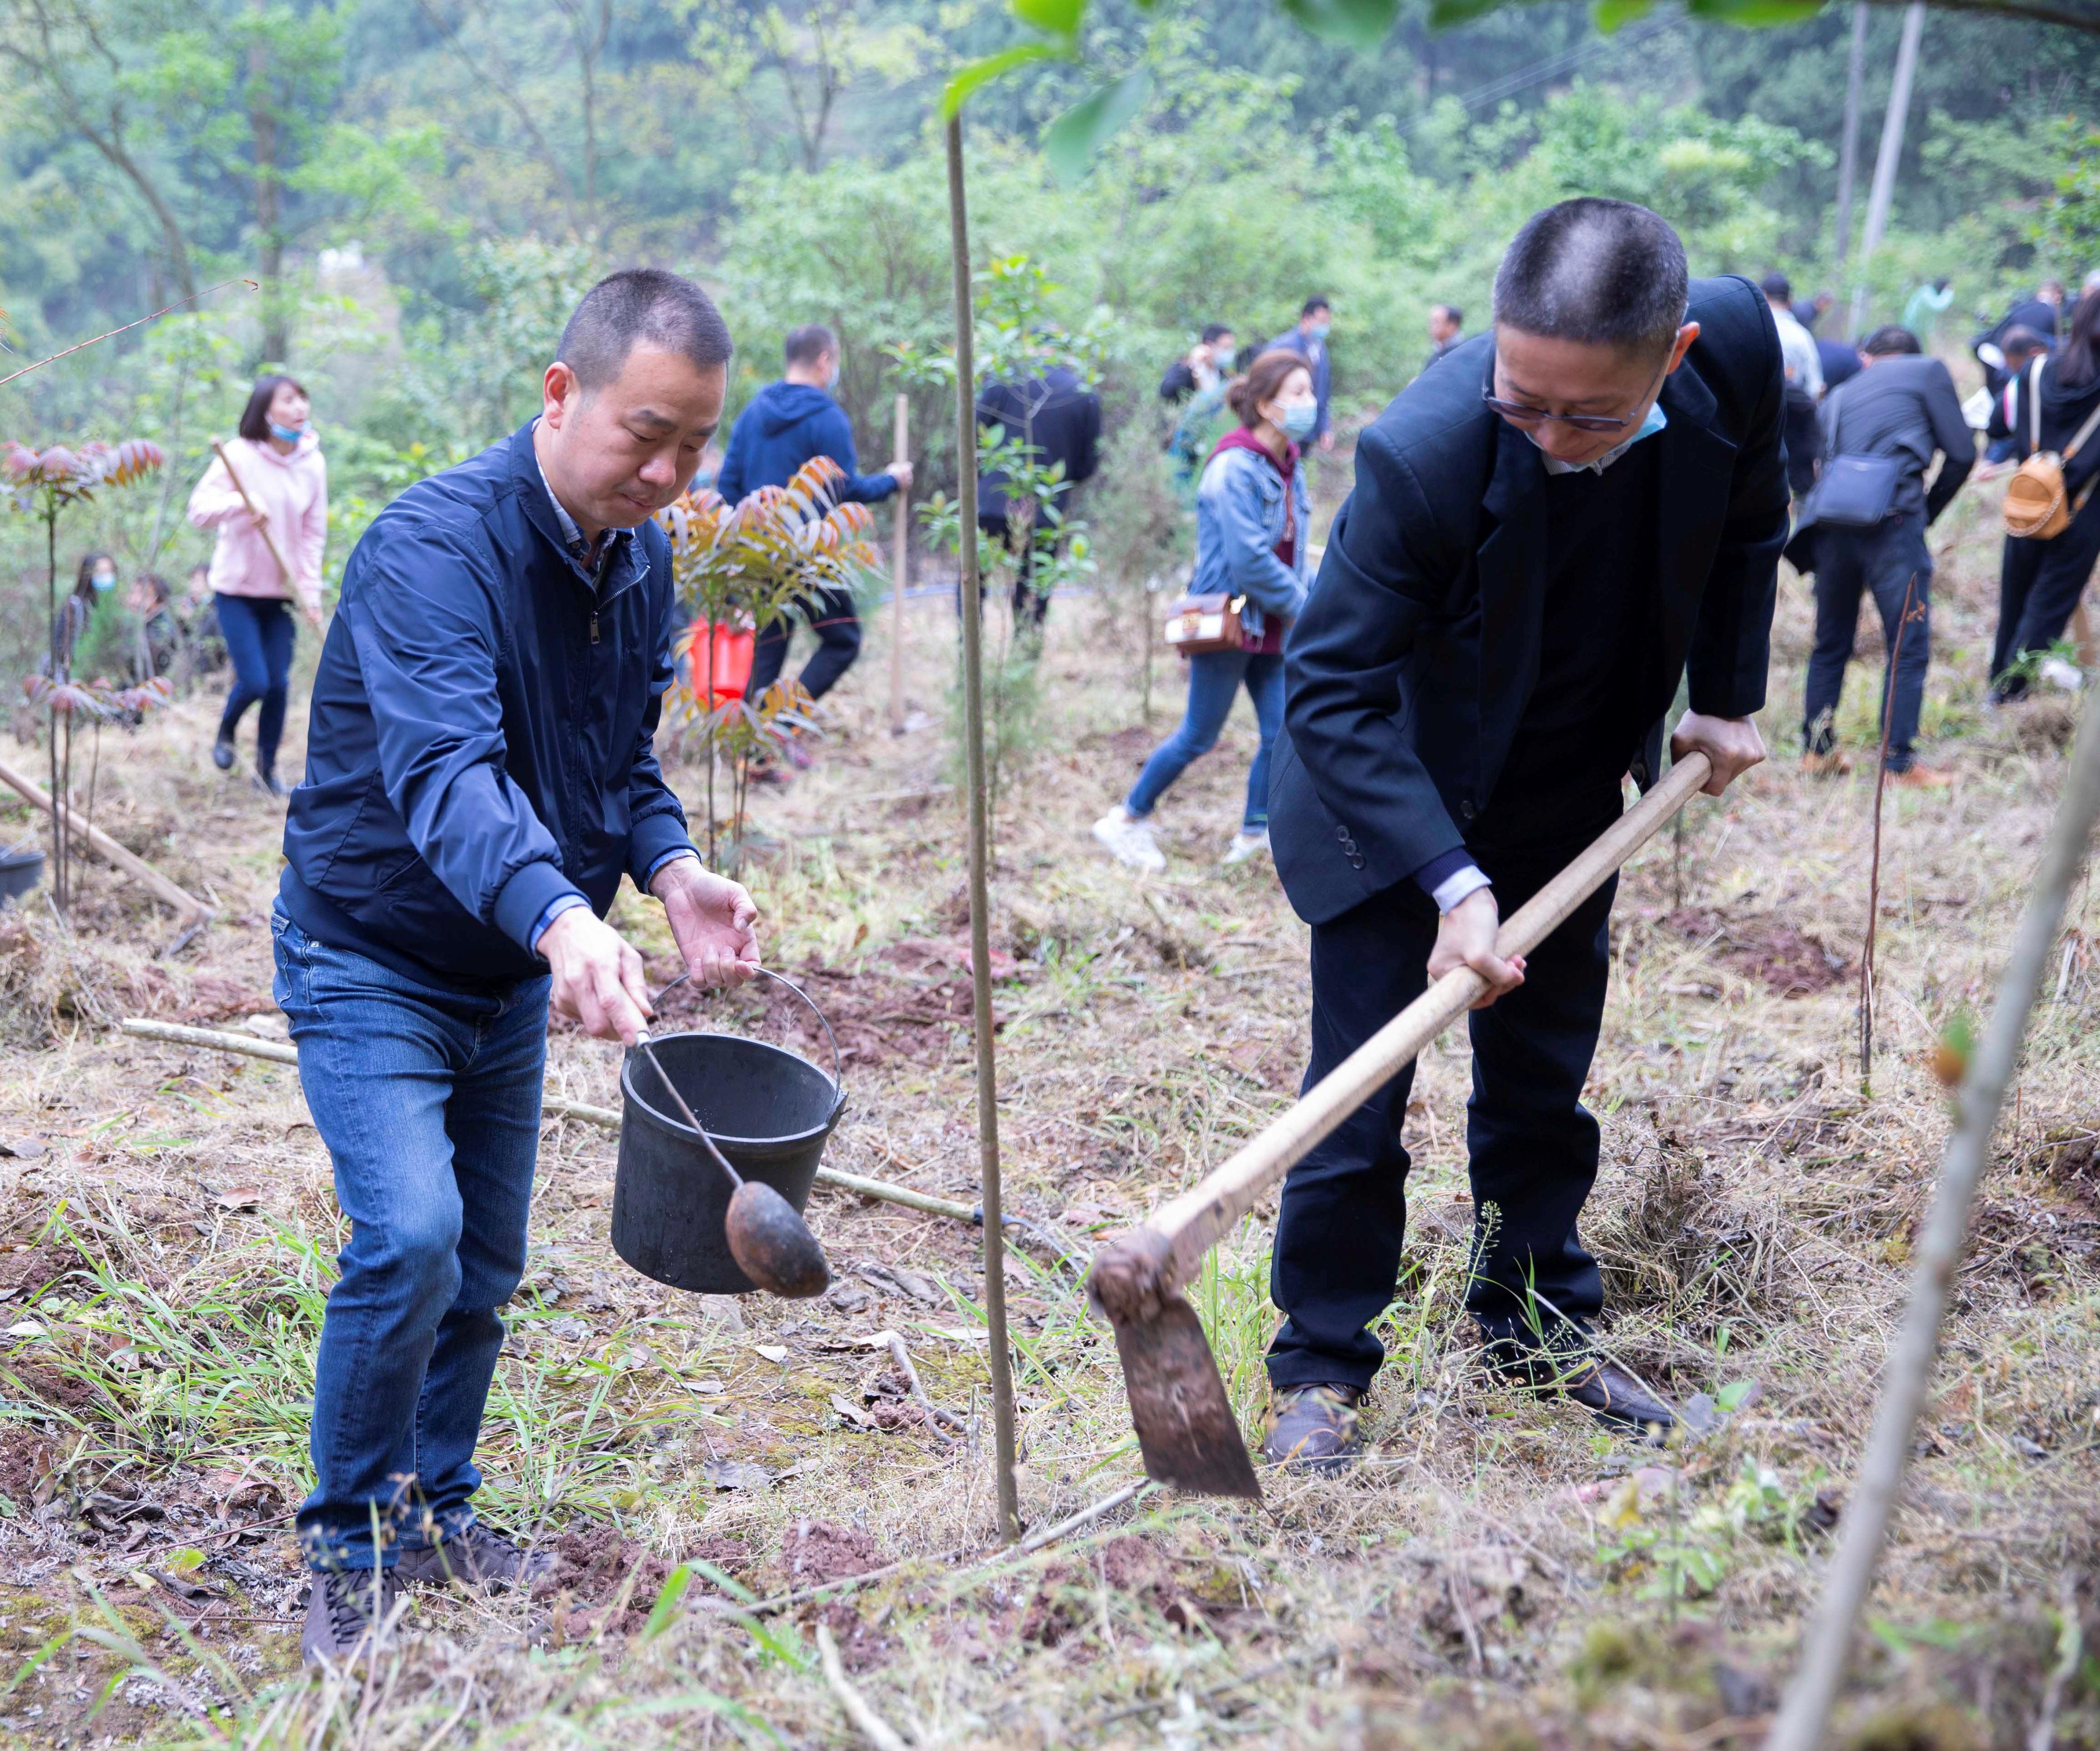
(1196, 625)
(2036, 508)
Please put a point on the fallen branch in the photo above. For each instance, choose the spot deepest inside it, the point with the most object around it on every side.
(936, 1414)
(217, 1040)
(193, 910)
(876, 1730)
(1908, 1373)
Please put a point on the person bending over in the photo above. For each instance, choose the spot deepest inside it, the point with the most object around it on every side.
(480, 774)
(1546, 532)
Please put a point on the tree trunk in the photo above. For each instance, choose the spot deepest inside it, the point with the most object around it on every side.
(269, 236)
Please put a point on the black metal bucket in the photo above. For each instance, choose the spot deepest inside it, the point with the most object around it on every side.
(21, 868)
(769, 1110)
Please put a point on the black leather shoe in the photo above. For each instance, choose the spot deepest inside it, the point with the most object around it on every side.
(271, 785)
(1314, 1428)
(222, 754)
(476, 1557)
(1619, 1401)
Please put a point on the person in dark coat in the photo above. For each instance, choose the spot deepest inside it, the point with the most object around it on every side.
(2021, 344)
(783, 425)
(2040, 582)
(2040, 312)
(481, 774)
(1903, 407)
(1308, 339)
(1567, 516)
(1202, 368)
(1057, 419)
(1840, 360)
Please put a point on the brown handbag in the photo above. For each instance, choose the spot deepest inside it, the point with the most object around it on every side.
(2036, 508)
(1196, 625)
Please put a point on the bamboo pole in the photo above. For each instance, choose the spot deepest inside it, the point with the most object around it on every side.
(275, 1052)
(1805, 1713)
(192, 909)
(971, 606)
(899, 566)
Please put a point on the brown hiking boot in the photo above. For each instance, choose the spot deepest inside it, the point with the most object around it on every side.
(1918, 776)
(474, 1557)
(1833, 765)
(347, 1616)
(1314, 1428)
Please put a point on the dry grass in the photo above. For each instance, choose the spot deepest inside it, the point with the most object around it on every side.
(1500, 1574)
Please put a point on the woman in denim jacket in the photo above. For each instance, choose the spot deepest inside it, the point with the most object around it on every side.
(1251, 513)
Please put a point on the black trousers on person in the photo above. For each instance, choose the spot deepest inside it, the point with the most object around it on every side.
(835, 618)
(2038, 584)
(1029, 604)
(1533, 1146)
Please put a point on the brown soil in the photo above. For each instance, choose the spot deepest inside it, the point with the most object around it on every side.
(1780, 955)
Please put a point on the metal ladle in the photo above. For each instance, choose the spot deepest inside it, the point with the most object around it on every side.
(771, 1243)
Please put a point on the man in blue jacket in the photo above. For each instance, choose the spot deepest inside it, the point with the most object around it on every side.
(1547, 531)
(785, 424)
(480, 774)
(1308, 339)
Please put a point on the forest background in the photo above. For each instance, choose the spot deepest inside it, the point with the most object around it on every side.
(421, 188)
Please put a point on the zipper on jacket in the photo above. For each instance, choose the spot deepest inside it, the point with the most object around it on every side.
(593, 626)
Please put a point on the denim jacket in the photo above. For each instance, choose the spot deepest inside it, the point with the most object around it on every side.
(1239, 520)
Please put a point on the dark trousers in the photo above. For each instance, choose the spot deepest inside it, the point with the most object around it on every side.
(834, 618)
(258, 631)
(1532, 1147)
(1029, 603)
(1804, 444)
(1890, 562)
(2039, 584)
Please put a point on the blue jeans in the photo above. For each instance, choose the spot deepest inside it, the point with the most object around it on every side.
(1888, 560)
(1213, 679)
(258, 631)
(429, 1102)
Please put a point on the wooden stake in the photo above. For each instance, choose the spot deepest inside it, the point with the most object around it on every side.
(899, 565)
(192, 910)
(1908, 1373)
(262, 528)
(973, 611)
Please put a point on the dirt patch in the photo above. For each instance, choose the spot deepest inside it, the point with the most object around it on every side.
(1130, 1568)
(816, 1552)
(1780, 956)
(25, 1462)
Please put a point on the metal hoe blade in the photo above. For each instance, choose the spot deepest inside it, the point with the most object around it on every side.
(1185, 1426)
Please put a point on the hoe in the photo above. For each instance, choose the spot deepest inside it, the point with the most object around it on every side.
(1185, 1425)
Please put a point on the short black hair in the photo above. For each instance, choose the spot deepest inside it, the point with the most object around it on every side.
(1216, 331)
(255, 417)
(809, 343)
(1890, 340)
(1312, 303)
(1452, 313)
(1777, 288)
(651, 304)
(1606, 273)
(2020, 338)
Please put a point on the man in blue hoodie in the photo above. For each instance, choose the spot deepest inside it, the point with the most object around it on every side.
(481, 774)
(785, 424)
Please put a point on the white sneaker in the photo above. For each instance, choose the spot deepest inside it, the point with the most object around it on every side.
(2064, 677)
(1130, 840)
(1245, 846)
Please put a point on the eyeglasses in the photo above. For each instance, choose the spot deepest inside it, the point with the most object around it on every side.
(1518, 414)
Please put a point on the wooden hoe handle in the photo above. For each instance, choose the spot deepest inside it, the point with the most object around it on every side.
(262, 528)
(1167, 1252)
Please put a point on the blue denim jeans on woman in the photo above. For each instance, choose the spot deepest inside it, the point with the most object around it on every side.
(1214, 680)
(429, 1102)
(258, 633)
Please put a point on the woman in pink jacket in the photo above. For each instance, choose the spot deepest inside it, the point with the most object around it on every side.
(278, 462)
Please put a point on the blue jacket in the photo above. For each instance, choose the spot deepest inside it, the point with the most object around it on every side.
(481, 739)
(782, 427)
(1239, 520)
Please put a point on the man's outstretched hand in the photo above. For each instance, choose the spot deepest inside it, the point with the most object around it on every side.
(1732, 744)
(598, 980)
(714, 919)
(1466, 937)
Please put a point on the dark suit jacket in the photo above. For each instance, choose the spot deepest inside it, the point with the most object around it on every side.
(1056, 414)
(1410, 669)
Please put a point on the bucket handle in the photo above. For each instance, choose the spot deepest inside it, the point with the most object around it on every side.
(838, 1058)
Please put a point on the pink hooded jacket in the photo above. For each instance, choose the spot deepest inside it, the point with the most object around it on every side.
(292, 491)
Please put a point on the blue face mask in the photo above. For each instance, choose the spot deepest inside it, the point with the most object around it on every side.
(1298, 419)
(1318, 331)
(103, 580)
(288, 433)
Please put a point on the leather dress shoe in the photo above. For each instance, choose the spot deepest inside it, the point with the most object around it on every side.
(1619, 1401)
(1314, 1428)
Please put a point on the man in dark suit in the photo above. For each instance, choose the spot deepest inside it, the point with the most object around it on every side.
(1546, 532)
(1054, 421)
